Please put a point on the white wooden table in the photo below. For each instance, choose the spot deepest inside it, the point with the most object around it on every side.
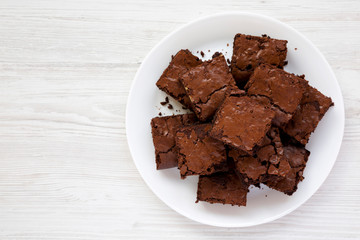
(65, 72)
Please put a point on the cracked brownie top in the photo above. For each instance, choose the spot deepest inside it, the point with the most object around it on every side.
(283, 90)
(163, 132)
(242, 122)
(169, 80)
(308, 114)
(268, 157)
(207, 85)
(199, 154)
(251, 51)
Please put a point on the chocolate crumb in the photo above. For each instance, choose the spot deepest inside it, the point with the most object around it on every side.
(202, 53)
(295, 48)
(286, 63)
(197, 51)
(227, 44)
(228, 61)
(165, 102)
(170, 106)
(160, 114)
(265, 195)
(216, 55)
(209, 50)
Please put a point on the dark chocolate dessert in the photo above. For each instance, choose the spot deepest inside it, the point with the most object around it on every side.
(241, 122)
(225, 188)
(251, 51)
(169, 80)
(199, 154)
(237, 137)
(207, 85)
(312, 108)
(284, 90)
(163, 132)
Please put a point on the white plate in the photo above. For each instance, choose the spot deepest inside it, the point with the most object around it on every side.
(213, 33)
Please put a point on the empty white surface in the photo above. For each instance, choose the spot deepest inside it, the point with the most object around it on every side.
(211, 34)
(65, 72)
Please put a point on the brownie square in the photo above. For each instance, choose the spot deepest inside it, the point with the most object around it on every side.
(241, 122)
(225, 188)
(268, 153)
(312, 108)
(207, 85)
(169, 80)
(284, 90)
(297, 157)
(163, 133)
(198, 153)
(251, 51)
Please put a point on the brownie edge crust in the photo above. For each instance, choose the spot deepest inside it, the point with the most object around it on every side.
(225, 188)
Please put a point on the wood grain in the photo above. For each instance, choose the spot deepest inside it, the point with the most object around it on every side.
(65, 72)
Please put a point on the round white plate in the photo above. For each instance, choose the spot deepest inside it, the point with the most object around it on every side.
(214, 33)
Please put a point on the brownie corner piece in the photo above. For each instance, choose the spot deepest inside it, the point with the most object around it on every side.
(250, 51)
(207, 85)
(198, 153)
(225, 188)
(169, 80)
(163, 131)
(242, 122)
(309, 113)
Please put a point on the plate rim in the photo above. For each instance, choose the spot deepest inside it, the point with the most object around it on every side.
(204, 18)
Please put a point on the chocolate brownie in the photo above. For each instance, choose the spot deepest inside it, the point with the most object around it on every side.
(297, 158)
(169, 80)
(251, 51)
(268, 153)
(312, 108)
(225, 188)
(163, 132)
(198, 153)
(284, 90)
(249, 166)
(241, 122)
(207, 85)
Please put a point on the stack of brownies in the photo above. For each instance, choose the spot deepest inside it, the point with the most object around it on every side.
(250, 122)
